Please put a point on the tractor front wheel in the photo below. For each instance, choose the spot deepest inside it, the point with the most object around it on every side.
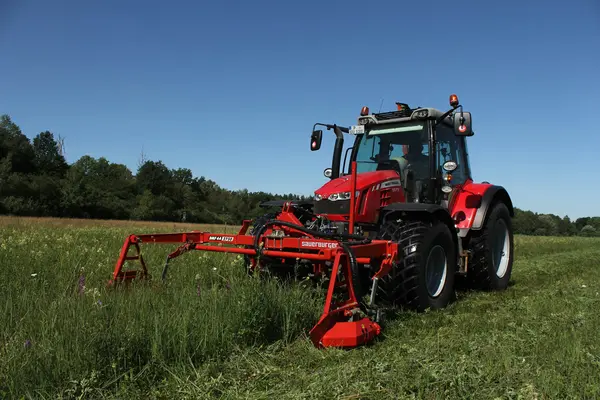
(424, 275)
(492, 249)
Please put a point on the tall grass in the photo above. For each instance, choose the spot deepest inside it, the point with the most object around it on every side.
(212, 331)
(59, 322)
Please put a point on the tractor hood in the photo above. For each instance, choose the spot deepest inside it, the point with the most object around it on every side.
(364, 180)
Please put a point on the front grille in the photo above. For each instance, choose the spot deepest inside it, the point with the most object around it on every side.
(332, 207)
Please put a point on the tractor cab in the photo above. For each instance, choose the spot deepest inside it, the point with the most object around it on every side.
(409, 155)
(429, 157)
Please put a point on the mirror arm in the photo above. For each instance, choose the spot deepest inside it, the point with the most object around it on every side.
(440, 119)
(334, 127)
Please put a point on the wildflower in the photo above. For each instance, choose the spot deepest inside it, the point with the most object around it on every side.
(81, 285)
(94, 292)
(27, 344)
(227, 286)
(33, 275)
(198, 289)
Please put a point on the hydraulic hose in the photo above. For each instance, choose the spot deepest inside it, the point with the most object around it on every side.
(359, 289)
(345, 244)
(323, 235)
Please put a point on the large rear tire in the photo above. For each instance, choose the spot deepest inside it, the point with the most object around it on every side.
(492, 251)
(424, 275)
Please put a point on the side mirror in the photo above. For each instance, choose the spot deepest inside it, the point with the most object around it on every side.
(462, 124)
(315, 140)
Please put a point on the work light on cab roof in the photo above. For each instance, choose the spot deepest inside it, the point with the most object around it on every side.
(398, 218)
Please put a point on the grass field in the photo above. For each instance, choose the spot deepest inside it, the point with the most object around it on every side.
(213, 332)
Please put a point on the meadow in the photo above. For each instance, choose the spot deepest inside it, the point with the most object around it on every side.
(213, 332)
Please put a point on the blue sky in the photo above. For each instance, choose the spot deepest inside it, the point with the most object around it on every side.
(231, 90)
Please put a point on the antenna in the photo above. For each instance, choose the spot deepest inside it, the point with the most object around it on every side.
(381, 105)
(61, 146)
(142, 160)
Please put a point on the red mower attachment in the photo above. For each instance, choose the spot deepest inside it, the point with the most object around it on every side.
(340, 324)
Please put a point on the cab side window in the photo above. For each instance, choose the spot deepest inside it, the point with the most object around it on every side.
(451, 148)
(368, 149)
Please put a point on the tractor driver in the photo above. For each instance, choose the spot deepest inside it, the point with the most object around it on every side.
(414, 158)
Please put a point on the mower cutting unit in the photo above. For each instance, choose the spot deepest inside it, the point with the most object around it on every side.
(393, 227)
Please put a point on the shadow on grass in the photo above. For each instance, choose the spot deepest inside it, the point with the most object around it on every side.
(462, 285)
(464, 295)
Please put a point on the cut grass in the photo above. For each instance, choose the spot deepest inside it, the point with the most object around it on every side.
(218, 333)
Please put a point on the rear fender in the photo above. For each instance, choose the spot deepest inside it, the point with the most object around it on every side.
(492, 195)
(475, 200)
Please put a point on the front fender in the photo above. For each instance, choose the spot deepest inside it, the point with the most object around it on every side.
(414, 208)
(421, 209)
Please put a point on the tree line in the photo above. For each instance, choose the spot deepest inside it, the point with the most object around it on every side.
(36, 180)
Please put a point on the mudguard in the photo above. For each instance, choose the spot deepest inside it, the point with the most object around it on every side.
(413, 208)
(474, 200)
(491, 194)
(435, 209)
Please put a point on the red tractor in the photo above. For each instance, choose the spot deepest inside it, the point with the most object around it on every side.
(393, 228)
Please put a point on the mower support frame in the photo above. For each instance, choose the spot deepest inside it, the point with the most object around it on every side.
(337, 325)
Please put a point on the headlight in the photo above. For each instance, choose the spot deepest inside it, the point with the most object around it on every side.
(450, 166)
(341, 196)
(318, 197)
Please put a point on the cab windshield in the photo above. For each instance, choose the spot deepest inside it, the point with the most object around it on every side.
(395, 147)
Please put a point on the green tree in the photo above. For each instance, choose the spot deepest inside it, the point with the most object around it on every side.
(48, 159)
(580, 223)
(153, 207)
(99, 189)
(588, 230)
(15, 147)
(155, 177)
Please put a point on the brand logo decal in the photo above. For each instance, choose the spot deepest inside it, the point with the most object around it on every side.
(322, 245)
(392, 183)
(221, 238)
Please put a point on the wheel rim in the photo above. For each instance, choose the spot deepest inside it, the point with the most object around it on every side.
(501, 248)
(435, 270)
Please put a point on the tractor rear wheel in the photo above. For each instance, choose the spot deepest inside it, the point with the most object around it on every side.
(491, 265)
(424, 275)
